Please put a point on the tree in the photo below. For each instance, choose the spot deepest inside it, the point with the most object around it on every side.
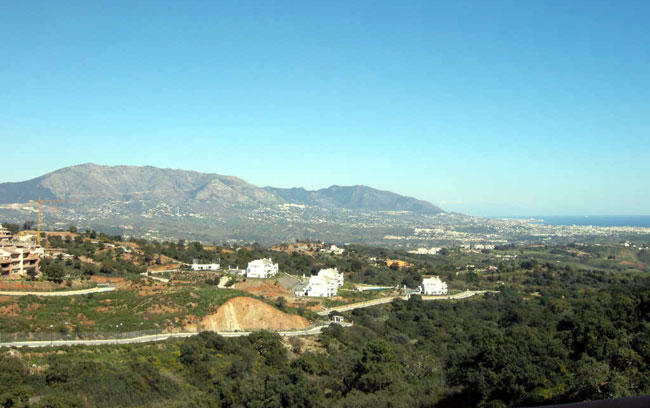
(282, 303)
(13, 228)
(269, 345)
(107, 266)
(378, 367)
(27, 225)
(53, 271)
(31, 273)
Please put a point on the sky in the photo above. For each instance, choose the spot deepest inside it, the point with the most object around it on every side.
(484, 107)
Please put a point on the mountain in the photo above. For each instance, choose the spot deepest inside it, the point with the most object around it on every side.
(168, 203)
(358, 198)
(92, 182)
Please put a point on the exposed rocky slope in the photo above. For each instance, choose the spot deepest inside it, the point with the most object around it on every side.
(244, 313)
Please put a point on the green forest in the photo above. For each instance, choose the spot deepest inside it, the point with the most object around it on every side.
(565, 323)
(587, 338)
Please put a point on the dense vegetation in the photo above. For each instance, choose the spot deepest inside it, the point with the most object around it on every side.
(568, 323)
(588, 338)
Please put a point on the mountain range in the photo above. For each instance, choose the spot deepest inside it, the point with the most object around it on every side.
(169, 203)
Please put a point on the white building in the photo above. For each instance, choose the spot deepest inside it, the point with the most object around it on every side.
(18, 256)
(333, 249)
(325, 284)
(433, 286)
(261, 268)
(425, 251)
(205, 267)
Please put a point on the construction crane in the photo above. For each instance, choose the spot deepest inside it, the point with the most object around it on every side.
(40, 205)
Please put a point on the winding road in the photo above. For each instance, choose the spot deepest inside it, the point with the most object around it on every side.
(384, 300)
(159, 337)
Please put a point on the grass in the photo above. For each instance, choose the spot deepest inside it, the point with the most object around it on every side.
(44, 286)
(129, 310)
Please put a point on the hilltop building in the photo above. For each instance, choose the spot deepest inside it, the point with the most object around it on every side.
(261, 268)
(433, 285)
(205, 267)
(398, 263)
(425, 251)
(325, 284)
(18, 256)
(333, 249)
(5, 235)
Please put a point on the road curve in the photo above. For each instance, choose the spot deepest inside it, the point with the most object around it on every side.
(384, 300)
(58, 293)
(158, 337)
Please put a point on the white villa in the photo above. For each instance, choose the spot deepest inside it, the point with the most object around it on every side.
(204, 267)
(432, 285)
(261, 268)
(333, 249)
(425, 251)
(325, 284)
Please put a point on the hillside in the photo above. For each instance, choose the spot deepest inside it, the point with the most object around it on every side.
(360, 198)
(91, 182)
(170, 204)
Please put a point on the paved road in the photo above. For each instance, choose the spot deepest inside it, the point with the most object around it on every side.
(364, 288)
(384, 300)
(59, 293)
(157, 337)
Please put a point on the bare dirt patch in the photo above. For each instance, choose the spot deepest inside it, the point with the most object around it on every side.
(82, 319)
(243, 313)
(162, 309)
(263, 287)
(147, 288)
(85, 259)
(15, 285)
(33, 306)
(10, 310)
(105, 279)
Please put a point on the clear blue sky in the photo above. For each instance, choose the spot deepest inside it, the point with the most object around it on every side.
(489, 107)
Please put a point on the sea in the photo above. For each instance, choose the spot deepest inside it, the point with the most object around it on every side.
(596, 220)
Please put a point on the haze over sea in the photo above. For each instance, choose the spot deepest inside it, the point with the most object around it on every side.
(596, 220)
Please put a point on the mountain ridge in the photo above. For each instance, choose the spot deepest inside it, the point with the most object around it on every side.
(90, 182)
(357, 197)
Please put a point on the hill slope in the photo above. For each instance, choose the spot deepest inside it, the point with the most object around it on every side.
(91, 182)
(170, 204)
(360, 198)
